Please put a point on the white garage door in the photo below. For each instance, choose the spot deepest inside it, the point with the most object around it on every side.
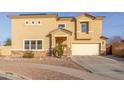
(85, 49)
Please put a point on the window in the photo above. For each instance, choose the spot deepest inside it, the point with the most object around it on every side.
(27, 44)
(84, 27)
(62, 26)
(39, 22)
(33, 44)
(33, 22)
(39, 44)
(26, 22)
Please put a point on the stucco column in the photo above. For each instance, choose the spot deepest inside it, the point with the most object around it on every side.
(53, 41)
(68, 41)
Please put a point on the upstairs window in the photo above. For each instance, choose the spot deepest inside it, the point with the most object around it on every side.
(26, 22)
(61, 26)
(38, 22)
(33, 22)
(84, 27)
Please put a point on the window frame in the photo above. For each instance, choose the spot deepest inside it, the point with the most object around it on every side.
(30, 45)
(61, 24)
(87, 27)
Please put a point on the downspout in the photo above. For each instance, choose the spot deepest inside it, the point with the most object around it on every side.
(75, 34)
(50, 45)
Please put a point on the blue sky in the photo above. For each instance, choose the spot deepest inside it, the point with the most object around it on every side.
(113, 24)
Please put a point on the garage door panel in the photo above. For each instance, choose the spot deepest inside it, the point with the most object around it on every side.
(85, 49)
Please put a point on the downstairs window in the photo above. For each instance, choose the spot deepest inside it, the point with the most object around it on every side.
(33, 44)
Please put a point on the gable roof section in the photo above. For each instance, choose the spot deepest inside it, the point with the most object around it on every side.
(63, 30)
(103, 37)
(92, 16)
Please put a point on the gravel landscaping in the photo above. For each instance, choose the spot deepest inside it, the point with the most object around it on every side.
(17, 65)
(42, 75)
(64, 61)
(51, 75)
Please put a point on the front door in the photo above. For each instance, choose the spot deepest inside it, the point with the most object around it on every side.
(63, 42)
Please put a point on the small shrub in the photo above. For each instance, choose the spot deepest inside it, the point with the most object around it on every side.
(58, 51)
(28, 54)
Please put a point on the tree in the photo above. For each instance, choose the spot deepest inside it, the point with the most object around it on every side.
(7, 42)
(115, 39)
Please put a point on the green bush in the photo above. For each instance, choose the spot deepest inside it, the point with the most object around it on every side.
(28, 54)
(58, 51)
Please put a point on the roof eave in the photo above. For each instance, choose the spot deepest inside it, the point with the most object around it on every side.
(103, 37)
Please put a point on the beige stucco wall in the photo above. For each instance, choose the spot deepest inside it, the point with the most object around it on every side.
(95, 28)
(95, 25)
(5, 50)
(95, 31)
(20, 31)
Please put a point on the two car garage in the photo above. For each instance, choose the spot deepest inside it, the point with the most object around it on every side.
(85, 49)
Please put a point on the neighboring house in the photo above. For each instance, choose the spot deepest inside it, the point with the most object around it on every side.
(81, 35)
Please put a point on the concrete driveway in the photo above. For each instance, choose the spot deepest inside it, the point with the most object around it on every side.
(101, 65)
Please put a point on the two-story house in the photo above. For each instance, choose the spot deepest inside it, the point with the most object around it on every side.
(40, 33)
